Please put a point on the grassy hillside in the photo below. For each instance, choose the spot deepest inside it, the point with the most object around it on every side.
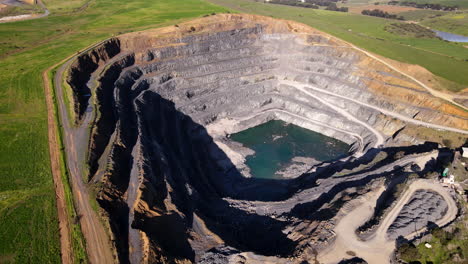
(420, 14)
(452, 22)
(460, 3)
(448, 60)
(28, 220)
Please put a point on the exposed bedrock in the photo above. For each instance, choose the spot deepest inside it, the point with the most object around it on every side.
(80, 72)
(166, 100)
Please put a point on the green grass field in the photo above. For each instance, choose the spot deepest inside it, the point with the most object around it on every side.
(452, 22)
(446, 247)
(28, 218)
(460, 3)
(421, 14)
(444, 59)
(64, 7)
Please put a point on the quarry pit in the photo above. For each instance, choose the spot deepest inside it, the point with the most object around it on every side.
(154, 112)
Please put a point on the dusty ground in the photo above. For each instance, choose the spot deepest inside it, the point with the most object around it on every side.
(56, 173)
(387, 8)
(379, 248)
(97, 240)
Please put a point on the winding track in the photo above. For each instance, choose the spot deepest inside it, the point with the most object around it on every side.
(343, 112)
(444, 96)
(98, 245)
(418, 185)
(54, 152)
(378, 249)
(304, 89)
(26, 17)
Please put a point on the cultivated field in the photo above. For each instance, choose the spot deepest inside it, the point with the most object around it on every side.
(453, 22)
(392, 9)
(460, 3)
(28, 214)
(420, 14)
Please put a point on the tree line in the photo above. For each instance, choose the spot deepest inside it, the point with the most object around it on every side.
(380, 13)
(424, 6)
(328, 4)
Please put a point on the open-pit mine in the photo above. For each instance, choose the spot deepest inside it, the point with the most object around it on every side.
(152, 127)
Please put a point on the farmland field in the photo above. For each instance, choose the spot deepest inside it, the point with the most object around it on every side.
(419, 14)
(28, 217)
(449, 21)
(454, 23)
(460, 3)
(392, 9)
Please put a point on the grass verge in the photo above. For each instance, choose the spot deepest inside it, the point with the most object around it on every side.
(77, 238)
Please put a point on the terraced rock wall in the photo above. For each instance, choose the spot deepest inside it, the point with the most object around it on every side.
(162, 102)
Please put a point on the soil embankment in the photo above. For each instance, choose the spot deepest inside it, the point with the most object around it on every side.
(63, 217)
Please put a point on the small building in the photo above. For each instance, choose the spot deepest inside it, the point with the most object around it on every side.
(449, 180)
(464, 152)
(445, 172)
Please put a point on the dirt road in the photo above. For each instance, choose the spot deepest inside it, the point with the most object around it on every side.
(341, 111)
(98, 245)
(418, 185)
(304, 88)
(27, 16)
(64, 224)
(442, 95)
(379, 248)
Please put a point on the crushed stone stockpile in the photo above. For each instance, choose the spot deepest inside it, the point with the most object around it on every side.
(424, 208)
(165, 100)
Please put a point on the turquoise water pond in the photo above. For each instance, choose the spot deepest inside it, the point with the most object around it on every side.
(276, 143)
